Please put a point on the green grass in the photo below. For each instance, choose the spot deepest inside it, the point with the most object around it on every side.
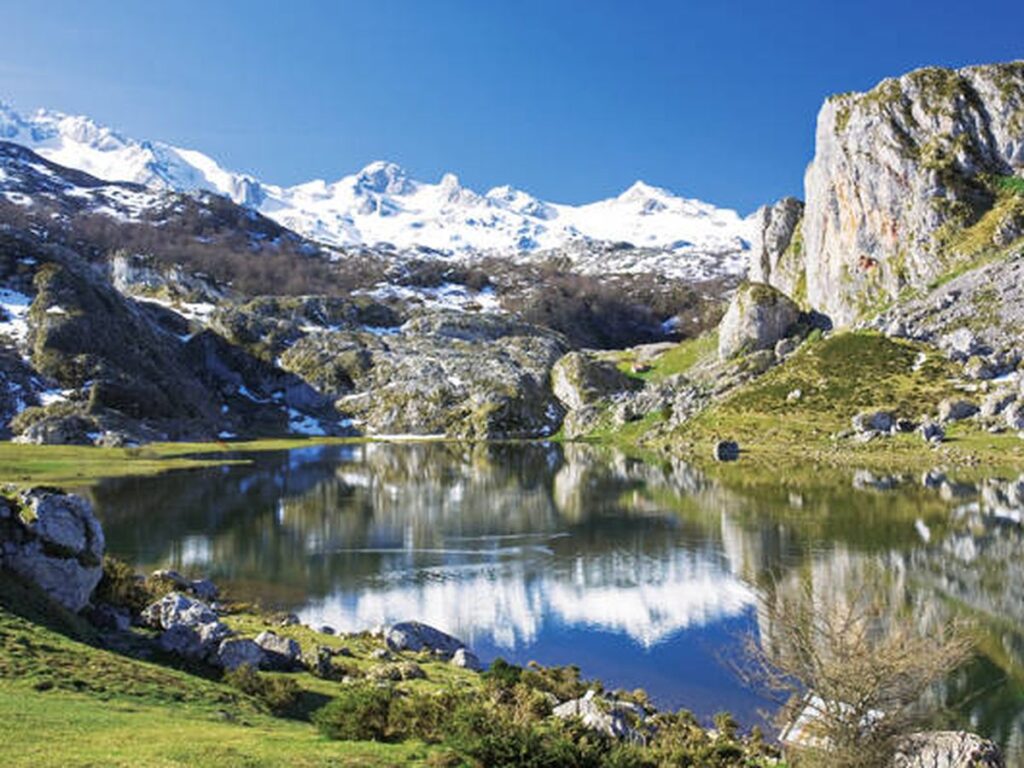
(679, 359)
(79, 466)
(66, 702)
(840, 376)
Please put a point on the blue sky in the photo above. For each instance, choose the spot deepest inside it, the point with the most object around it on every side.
(568, 99)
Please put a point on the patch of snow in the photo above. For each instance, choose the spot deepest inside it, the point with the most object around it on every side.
(225, 435)
(14, 316)
(303, 424)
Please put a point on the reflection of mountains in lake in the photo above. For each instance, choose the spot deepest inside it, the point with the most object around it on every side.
(500, 543)
(490, 541)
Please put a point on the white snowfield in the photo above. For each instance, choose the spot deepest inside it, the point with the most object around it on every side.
(382, 204)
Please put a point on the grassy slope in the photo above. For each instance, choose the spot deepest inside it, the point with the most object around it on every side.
(65, 702)
(838, 377)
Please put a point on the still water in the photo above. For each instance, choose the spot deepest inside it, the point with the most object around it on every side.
(643, 574)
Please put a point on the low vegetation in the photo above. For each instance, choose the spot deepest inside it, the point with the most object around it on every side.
(56, 675)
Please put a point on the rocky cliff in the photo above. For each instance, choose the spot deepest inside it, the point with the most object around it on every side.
(919, 176)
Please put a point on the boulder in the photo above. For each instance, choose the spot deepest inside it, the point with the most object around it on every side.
(947, 749)
(194, 641)
(176, 609)
(281, 653)
(415, 636)
(239, 652)
(758, 316)
(874, 421)
(466, 660)
(610, 718)
(578, 380)
(53, 540)
(932, 432)
(1014, 416)
(726, 450)
(956, 410)
(997, 402)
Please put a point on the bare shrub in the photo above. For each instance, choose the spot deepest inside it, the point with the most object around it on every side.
(853, 673)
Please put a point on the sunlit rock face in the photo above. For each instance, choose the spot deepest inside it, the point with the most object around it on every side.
(899, 169)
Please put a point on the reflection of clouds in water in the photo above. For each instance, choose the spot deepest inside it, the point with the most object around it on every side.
(507, 604)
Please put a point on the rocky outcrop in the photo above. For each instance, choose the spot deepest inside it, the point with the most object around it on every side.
(907, 180)
(976, 318)
(947, 749)
(54, 541)
(611, 718)
(456, 374)
(777, 251)
(579, 379)
(416, 636)
(758, 316)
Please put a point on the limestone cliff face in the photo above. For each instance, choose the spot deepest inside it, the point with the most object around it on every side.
(777, 252)
(908, 180)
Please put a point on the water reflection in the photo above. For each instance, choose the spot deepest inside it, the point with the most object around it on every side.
(640, 572)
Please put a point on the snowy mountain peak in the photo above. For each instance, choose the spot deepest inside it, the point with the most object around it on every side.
(384, 178)
(382, 203)
(641, 190)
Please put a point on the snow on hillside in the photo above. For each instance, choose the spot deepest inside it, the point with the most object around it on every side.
(382, 204)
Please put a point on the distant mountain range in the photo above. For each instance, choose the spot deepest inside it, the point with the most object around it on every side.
(382, 204)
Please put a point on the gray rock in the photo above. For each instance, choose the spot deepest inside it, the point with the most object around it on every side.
(997, 402)
(320, 664)
(60, 549)
(757, 317)
(466, 660)
(1014, 416)
(237, 652)
(874, 421)
(603, 716)
(415, 636)
(776, 253)
(181, 640)
(947, 749)
(956, 410)
(174, 609)
(578, 380)
(786, 347)
(281, 653)
(726, 450)
(932, 432)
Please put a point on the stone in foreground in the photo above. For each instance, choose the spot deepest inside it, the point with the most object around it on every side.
(237, 652)
(56, 543)
(416, 636)
(281, 653)
(610, 718)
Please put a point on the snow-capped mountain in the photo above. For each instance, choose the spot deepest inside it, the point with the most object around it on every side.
(382, 204)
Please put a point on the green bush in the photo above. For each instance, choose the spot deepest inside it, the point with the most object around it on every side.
(121, 587)
(424, 716)
(360, 712)
(279, 694)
